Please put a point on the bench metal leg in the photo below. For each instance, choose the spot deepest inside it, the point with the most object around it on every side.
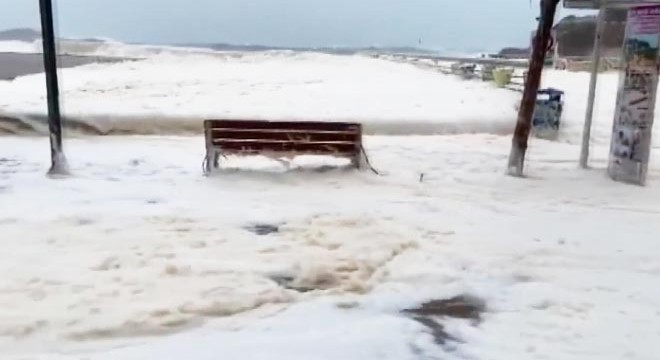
(358, 161)
(361, 162)
(208, 163)
(216, 159)
(211, 161)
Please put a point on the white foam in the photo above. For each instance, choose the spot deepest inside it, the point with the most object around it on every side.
(103, 47)
(171, 90)
(172, 93)
(138, 244)
(20, 47)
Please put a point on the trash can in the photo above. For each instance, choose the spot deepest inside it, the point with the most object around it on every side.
(487, 73)
(502, 76)
(547, 113)
(465, 71)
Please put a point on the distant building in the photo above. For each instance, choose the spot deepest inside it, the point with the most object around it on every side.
(575, 40)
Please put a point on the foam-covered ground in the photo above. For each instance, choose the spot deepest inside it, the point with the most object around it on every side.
(171, 92)
(139, 256)
(19, 47)
(138, 243)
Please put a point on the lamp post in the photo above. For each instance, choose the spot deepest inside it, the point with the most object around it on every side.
(58, 160)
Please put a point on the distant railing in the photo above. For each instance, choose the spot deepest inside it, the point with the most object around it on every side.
(584, 63)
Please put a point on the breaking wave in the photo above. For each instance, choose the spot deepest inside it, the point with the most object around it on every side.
(19, 47)
(101, 47)
(107, 47)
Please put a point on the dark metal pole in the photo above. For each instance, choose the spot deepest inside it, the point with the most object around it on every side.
(524, 123)
(58, 160)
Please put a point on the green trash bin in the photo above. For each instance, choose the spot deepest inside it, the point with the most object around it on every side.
(502, 76)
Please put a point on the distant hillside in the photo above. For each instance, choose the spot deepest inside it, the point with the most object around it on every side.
(20, 35)
(513, 53)
(576, 34)
(328, 50)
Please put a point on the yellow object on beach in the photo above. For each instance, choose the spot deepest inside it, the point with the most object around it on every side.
(502, 76)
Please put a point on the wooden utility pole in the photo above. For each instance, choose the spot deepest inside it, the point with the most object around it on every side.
(58, 160)
(526, 112)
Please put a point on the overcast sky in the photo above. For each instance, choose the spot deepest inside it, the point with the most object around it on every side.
(460, 25)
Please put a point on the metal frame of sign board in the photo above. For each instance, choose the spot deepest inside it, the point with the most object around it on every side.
(601, 5)
(581, 4)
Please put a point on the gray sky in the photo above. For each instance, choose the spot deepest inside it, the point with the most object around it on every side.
(460, 25)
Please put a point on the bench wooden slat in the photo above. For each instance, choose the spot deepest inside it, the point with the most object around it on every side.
(287, 136)
(223, 141)
(321, 148)
(293, 131)
(293, 125)
(286, 152)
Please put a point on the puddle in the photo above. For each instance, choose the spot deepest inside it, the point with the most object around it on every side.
(263, 229)
(431, 314)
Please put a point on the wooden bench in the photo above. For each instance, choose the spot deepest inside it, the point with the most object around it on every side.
(281, 139)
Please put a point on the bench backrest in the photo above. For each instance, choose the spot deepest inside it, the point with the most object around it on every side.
(258, 136)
